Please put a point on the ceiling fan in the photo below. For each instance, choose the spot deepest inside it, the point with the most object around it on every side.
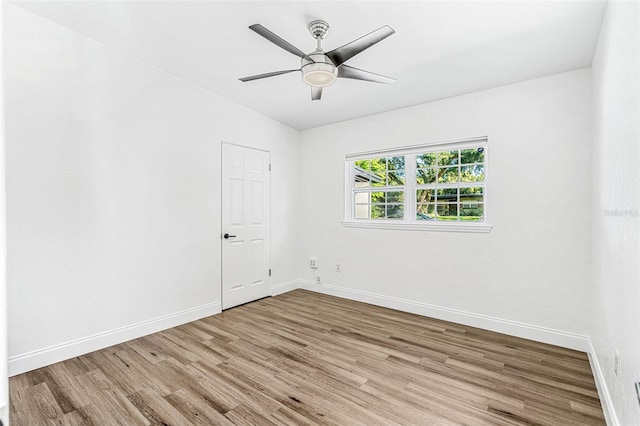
(319, 68)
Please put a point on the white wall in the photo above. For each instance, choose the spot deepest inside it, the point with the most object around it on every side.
(530, 275)
(4, 385)
(615, 311)
(113, 192)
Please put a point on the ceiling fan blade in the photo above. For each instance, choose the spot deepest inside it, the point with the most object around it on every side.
(265, 75)
(345, 71)
(349, 50)
(316, 93)
(276, 39)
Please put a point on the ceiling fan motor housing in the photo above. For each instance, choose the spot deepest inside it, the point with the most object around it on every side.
(318, 70)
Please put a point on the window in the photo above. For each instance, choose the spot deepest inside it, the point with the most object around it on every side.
(450, 185)
(428, 186)
(379, 188)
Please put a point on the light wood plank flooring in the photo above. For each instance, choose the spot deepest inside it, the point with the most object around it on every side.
(303, 358)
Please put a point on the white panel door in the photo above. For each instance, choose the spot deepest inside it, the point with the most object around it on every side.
(245, 225)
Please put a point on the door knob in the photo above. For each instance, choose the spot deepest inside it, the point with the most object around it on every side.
(227, 236)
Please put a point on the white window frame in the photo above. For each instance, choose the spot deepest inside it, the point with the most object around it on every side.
(409, 222)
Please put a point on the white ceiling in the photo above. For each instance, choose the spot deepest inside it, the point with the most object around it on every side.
(440, 49)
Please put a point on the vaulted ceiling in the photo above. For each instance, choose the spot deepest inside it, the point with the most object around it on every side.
(440, 49)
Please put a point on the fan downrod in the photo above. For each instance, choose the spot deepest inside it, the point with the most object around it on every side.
(318, 28)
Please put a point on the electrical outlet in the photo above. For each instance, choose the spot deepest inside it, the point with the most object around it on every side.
(616, 363)
(319, 280)
(338, 267)
(313, 263)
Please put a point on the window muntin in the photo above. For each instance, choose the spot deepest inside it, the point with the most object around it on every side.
(428, 185)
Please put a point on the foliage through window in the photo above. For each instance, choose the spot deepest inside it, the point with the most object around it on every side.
(444, 183)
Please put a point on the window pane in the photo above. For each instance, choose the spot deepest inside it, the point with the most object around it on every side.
(363, 164)
(473, 155)
(395, 197)
(377, 197)
(379, 178)
(425, 195)
(395, 163)
(426, 160)
(361, 197)
(425, 176)
(379, 164)
(425, 212)
(395, 177)
(395, 211)
(470, 195)
(361, 175)
(447, 211)
(472, 190)
(472, 212)
(448, 195)
(448, 158)
(377, 211)
(448, 175)
(362, 211)
(472, 173)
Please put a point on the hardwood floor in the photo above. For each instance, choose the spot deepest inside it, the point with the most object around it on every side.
(303, 358)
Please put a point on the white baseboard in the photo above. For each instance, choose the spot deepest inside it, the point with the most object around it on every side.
(39, 358)
(22, 363)
(42, 357)
(284, 287)
(603, 391)
(513, 328)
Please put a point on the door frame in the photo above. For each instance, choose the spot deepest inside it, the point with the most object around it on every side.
(221, 224)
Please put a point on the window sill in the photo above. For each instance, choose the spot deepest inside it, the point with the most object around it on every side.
(414, 226)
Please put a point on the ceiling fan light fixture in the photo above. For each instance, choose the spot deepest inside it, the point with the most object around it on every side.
(319, 74)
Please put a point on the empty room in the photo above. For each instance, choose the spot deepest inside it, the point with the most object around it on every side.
(320, 213)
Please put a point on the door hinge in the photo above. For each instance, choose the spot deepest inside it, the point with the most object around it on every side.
(269, 272)
(269, 166)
